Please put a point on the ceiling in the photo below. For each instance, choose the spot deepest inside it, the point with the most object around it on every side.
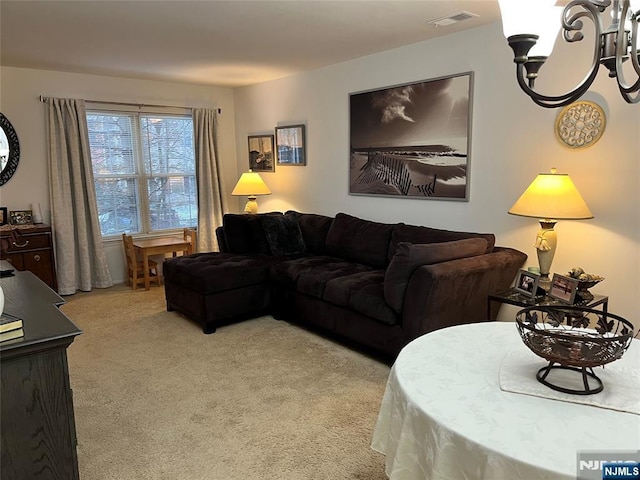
(225, 43)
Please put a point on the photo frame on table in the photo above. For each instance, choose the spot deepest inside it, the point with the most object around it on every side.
(527, 283)
(563, 288)
(290, 145)
(4, 216)
(261, 153)
(21, 217)
(412, 140)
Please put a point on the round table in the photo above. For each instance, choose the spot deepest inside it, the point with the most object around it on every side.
(444, 416)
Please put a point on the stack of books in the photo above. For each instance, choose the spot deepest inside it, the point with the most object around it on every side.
(10, 327)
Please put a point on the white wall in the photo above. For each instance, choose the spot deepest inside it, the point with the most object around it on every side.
(512, 141)
(20, 89)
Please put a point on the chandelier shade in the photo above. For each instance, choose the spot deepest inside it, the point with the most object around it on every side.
(524, 25)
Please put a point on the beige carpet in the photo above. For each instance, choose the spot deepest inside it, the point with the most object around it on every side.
(155, 398)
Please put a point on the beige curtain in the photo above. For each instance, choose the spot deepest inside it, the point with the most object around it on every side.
(211, 193)
(80, 259)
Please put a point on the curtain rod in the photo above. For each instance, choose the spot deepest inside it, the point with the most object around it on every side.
(139, 105)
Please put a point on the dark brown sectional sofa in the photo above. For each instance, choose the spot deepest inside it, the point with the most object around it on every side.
(373, 284)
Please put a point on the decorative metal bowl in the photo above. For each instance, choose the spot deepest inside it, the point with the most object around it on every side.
(584, 286)
(574, 338)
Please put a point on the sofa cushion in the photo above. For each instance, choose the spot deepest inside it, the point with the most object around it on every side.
(359, 240)
(310, 274)
(243, 233)
(283, 234)
(410, 256)
(314, 230)
(416, 234)
(363, 293)
(217, 272)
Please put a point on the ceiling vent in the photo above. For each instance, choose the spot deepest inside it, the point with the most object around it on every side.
(451, 19)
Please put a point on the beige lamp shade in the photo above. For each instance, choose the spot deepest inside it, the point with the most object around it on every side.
(552, 196)
(251, 184)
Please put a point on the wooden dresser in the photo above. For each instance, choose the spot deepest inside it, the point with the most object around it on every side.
(31, 249)
(36, 405)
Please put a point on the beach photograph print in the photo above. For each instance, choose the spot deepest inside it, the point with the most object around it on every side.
(412, 140)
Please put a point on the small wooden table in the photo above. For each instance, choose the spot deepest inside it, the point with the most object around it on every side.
(154, 246)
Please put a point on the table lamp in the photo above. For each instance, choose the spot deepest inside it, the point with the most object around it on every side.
(550, 197)
(251, 184)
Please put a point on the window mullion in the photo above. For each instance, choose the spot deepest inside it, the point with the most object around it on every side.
(143, 191)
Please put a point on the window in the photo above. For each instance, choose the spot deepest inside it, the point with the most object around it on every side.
(144, 171)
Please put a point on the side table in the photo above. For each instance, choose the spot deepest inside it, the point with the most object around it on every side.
(513, 297)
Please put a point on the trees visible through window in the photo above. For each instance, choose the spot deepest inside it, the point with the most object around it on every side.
(144, 171)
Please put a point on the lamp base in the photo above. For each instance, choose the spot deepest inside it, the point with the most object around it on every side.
(252, 206)
(546, 243)
(544, 282)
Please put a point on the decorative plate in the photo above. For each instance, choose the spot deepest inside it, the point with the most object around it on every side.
(580, 124)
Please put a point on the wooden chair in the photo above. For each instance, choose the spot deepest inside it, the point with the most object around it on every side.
(190, 234)
(135, 267)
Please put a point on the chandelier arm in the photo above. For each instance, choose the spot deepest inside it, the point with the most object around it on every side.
(635, 59)
(622, 48)
(567, 98)
(571, 23)
(630, 98)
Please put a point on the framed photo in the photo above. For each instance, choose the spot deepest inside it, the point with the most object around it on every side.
(261, 153)
(4, 216)
(290, 145)
(563, 288)
(412, 140)
(20, 217)
(527, 283)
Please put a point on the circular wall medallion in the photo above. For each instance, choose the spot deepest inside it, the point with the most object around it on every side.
(580, 124)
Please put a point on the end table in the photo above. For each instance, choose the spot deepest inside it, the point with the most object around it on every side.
(513, 297)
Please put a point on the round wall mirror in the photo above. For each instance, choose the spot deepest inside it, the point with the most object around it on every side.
(9, 150)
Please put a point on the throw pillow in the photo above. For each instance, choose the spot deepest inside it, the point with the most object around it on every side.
(417, 234)
(358, 240)
(283, 235)
(314, 230)
(410, 256)
(243, 233)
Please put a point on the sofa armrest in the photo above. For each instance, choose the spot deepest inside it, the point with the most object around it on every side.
(455, 292)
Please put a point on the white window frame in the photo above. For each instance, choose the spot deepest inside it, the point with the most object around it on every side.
(141, 175)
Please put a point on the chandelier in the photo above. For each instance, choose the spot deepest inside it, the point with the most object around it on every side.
(531, 31)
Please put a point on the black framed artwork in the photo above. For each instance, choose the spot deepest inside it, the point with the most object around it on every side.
(412, 140)
(290, 145)
(261, 153)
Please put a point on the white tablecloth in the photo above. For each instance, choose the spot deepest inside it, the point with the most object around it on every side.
(444, 416)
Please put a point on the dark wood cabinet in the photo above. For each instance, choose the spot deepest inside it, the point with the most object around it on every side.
(36, 404)
(31, 249)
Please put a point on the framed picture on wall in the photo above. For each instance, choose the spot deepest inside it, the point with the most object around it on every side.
(4, 219)
(290, 145)
(412, 140)
(261, 153)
